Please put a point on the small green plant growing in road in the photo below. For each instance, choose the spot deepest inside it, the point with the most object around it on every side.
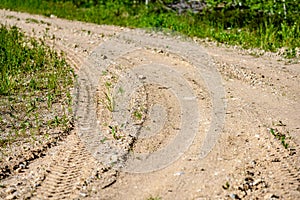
(138, 115)
(115, 132)
(103, 140)
(281, 137)
(109, 101)
(154, 198)
(121, 90)
(104, 73)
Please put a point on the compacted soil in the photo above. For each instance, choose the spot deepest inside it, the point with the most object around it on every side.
(161, 116)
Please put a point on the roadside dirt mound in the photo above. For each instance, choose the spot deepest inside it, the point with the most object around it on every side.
(160, 115)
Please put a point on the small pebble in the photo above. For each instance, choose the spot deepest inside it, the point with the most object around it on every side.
(271, 196)
(141, 77)
(253, 162)
(10, 190)
(179, 173)
(11, 196)
(83, 194)
(234, 196)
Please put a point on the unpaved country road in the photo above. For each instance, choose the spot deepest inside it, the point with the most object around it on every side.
(187, 120)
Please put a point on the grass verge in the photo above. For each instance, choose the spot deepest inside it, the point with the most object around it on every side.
(35, 99)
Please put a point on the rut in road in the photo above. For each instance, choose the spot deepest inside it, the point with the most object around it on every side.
(70, 168)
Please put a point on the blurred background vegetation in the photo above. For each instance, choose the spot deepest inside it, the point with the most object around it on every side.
(266, 24)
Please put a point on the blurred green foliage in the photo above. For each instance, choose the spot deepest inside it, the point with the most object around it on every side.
(265, 24)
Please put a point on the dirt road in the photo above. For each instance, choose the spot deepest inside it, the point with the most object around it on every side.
(160, 115)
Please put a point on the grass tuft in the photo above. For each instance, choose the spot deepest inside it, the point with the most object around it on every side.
(280, 136)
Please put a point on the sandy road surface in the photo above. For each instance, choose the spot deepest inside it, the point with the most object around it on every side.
(189, 120)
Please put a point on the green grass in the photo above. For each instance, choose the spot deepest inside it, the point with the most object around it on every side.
(114, 130)
(279, 136)
(34, 88)
(258, 26)
(138, 115)
(108, 101)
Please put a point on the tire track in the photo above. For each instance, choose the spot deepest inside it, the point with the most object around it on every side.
(276, 172)
(129, 41)
(73, 165)
(286, 183)
(69, 170)
(289, 172)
